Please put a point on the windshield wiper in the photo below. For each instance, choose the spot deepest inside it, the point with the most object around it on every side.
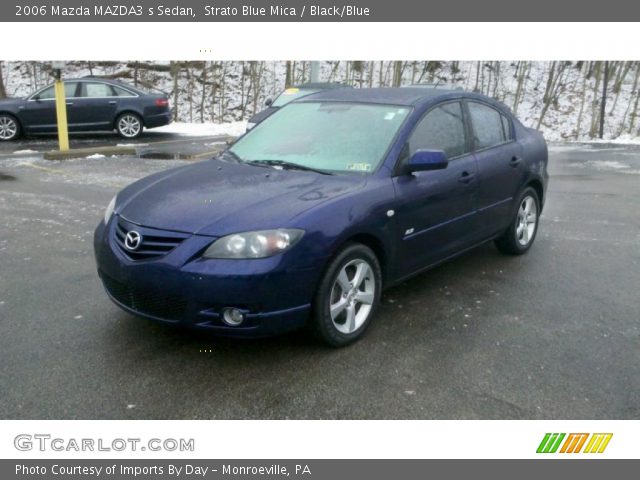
(288, 166)
(230, 155)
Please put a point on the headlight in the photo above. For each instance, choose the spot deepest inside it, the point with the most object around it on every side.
(260, 244)
(109, 211)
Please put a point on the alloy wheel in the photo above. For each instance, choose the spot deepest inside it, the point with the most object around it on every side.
(352, 296)
(8, 128)
(129, 126)
(527, 220)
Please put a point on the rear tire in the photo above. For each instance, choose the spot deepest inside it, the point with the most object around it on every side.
(348, 296)
(9, 127)
(519, 237)
(129, 125)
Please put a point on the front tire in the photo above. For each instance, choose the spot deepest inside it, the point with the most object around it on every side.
(519, 237)
(9, 128)
(129, 126)
(348, 296)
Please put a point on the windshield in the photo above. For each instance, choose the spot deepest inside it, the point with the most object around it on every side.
(291, 94)
(339, 137)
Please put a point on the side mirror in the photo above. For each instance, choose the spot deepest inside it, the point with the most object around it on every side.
(424, 160)
(268, 102)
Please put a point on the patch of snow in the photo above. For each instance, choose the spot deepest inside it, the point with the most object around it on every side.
(96, 155)
(233, 129)
(20, 152)
(624, 139)
(607, 164)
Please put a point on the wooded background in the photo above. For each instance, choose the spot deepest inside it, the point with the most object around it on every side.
(566, 100)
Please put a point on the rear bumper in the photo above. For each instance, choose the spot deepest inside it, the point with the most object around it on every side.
(157, 120)
(193, 293)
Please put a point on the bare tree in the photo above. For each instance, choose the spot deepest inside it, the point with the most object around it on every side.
(553, 88)
(288, 79)
(595, 103)
(398, 68)
(3, 90)
(582, 101)
(175, 73)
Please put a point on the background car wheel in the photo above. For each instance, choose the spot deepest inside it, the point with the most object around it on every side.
(129, 125)
(348, 296)
(519, 237)
(9, 128)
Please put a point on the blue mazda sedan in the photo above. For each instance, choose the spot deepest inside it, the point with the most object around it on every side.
(308, 216)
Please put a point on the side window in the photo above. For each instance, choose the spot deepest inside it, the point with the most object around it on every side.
(70, 89)
(487, 125)
(121, 92)
(96, 90)
(47, 94)
(50, 93)
(440, 129)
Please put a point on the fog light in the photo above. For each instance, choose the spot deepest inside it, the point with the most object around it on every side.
(232, 316)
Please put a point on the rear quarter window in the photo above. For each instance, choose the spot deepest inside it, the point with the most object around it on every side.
(488, 125)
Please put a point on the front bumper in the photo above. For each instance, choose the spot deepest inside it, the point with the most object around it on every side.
(181, 288)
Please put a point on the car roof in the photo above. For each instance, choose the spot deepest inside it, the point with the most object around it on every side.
(409, 96)
(321, 85)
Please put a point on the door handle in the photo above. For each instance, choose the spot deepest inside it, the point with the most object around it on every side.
(112, 102)
(515, 161)
(466, 177)
(69, 103)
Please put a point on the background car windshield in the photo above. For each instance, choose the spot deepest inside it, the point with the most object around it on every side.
(291, 94)
(327, 136)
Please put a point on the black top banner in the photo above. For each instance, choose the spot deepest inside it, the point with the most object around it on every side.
(318, 11)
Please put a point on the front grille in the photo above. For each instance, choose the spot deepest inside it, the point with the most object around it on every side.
(155, 243)
(144, 301)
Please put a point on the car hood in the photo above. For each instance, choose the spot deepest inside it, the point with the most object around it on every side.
(217, 198)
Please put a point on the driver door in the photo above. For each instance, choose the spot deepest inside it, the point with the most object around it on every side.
(436, 211)
(39, 112)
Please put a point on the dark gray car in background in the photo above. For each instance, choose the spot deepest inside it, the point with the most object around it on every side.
(93, 104)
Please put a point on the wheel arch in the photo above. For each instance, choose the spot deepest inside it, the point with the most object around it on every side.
(371, 241)
(536, 184)
(21, 129)
(124, 112)
(13, 115)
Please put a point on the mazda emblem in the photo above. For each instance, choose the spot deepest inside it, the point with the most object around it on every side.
(132, 240)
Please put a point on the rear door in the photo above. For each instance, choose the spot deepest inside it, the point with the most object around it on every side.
(96, 107)
(500, 165)
(436, 209)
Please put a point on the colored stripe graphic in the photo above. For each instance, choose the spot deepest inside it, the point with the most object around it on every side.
(574, 443)
(550, 442)
(598, 442)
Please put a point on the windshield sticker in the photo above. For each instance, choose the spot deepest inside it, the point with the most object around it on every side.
(359, 167)
(290, 91)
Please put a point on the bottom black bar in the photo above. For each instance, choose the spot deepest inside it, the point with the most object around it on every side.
(586, 469)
